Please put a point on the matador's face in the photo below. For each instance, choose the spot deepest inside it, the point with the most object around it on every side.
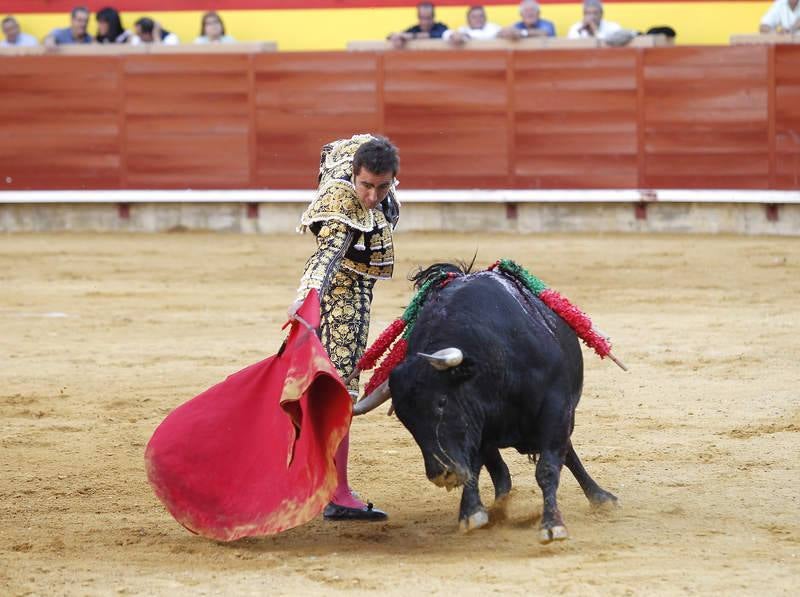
(372, 188)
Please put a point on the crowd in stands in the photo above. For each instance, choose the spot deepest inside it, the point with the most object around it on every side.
(110, 30)
(782, 17)
(478, 26)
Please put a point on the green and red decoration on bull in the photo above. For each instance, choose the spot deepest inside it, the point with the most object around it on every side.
(573, 316)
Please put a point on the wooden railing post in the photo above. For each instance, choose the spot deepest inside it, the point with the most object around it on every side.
(511, 117)
(252, 121)
(122, 122)
(380, 92)
(641, 137)
(771, 117)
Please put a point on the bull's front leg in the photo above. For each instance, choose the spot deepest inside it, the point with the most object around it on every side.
(548, 472)
(498, 471)
(472, 515)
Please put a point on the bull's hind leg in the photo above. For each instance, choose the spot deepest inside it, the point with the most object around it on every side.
(596, 495)
(548, 472)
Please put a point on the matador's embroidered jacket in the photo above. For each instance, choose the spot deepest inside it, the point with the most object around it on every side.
(349, 236)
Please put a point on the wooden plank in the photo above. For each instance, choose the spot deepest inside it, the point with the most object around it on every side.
(186, 120)
(59, 117)
(195, 161)
(252, 116)
(640, 122)
(700, 117)
(448, 114)
(303, 101)
(575, 120)
(510, 111)
(706, 113)
(771, 143)
(786, 126)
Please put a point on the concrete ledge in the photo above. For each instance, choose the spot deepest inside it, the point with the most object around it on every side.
(518, 217)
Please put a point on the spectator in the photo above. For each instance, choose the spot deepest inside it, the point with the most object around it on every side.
(477, 27)
(109, 27)
(75, 33)
(426, 28)
(666, 31)
(14, 37)
(150, 32)
(593, 24)
(212, 30)
(530, 25)
(783, 17)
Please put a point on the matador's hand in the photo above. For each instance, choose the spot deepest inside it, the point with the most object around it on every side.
(294, 307)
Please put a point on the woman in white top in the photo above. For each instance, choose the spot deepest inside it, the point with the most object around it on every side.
(476, 28)
(212, 30)
(593, 24)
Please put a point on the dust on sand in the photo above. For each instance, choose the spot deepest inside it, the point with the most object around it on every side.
(102, 335)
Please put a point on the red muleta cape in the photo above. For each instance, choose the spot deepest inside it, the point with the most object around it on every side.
(253, 455)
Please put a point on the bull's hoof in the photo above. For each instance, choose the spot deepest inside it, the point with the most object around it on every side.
(556, 533)
(502, 500)
(499, 509)
(604, 501)
(476, 520)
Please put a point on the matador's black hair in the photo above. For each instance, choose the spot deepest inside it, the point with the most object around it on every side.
(378, 156)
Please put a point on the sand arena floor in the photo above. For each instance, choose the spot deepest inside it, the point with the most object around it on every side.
(102, 335)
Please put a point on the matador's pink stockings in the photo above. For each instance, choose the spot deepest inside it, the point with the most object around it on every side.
(343, 496)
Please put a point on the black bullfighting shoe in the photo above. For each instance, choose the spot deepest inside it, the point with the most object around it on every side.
(336, 512)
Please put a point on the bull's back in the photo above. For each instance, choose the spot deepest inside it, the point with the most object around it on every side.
(507, 327)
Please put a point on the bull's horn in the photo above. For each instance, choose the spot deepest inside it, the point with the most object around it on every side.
(379, 396)
(445, 358)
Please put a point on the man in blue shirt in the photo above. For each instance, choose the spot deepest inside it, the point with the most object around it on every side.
(530, 25)
(427, 28)
(74, 34)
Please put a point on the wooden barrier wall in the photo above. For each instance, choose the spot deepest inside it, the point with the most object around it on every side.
(685, 117)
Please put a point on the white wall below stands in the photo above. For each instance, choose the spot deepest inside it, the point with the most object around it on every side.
(113, 211)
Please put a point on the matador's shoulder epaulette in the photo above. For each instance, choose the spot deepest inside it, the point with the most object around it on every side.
(336, 158)
(337, 200)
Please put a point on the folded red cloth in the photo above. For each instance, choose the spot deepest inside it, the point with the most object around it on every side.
(253, 455)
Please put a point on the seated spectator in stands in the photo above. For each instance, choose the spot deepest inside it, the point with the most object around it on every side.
(666, 31)
(477, 27)
(212, 30)
(426, 28)
(75, 33)
(530, 25)
(109, 27)
(593, 23)
(782, 17)
(150, 32)
(14, 37)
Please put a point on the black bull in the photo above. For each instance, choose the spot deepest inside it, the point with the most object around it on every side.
(517, 385)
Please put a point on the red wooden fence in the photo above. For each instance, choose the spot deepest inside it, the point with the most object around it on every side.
(686, 117)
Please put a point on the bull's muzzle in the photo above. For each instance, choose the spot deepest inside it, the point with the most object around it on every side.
(450, 478)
